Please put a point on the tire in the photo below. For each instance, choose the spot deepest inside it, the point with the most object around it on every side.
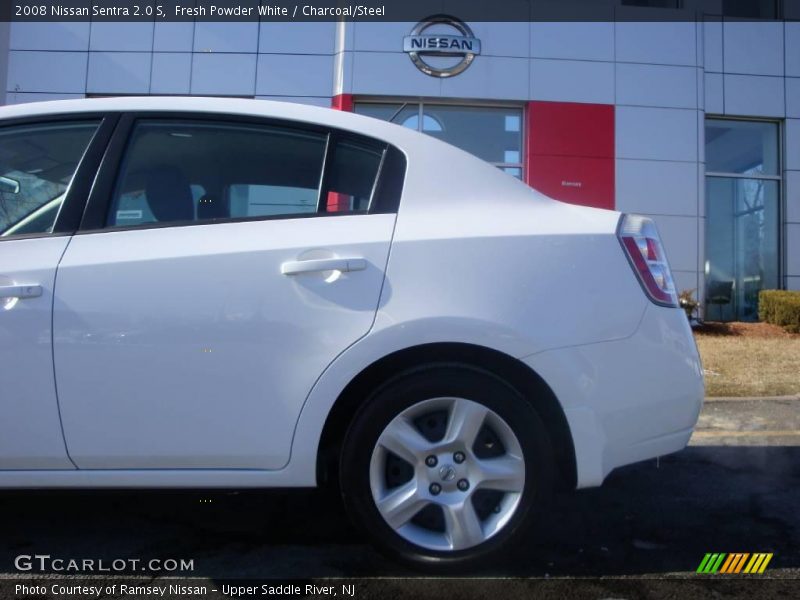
(424, 514)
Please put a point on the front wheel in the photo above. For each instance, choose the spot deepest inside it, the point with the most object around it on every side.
(445, 465)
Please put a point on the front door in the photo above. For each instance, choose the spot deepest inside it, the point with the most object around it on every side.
(190, 328)
(37, 163)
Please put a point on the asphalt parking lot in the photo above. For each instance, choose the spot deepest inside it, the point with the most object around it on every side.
(735, 489)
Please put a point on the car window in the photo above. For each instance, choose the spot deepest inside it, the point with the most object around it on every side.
(186, 171)
(37, 163)
(351, 177)
(133, 208)
(258, 200)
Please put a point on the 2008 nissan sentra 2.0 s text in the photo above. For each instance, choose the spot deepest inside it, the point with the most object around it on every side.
(241, 294)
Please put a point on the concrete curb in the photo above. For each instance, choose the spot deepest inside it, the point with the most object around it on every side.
(752, 398)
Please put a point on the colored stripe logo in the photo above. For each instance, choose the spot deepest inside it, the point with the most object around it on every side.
(733, 563)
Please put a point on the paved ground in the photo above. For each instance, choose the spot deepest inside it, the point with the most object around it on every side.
(735, 489)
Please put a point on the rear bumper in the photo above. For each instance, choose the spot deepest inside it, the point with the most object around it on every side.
(627, 400)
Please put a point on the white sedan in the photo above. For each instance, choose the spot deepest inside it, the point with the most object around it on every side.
(224, 293)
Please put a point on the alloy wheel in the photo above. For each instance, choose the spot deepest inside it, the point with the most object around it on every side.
(447, 474)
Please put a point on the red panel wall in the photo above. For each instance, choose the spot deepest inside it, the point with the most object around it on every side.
(342, 102)
(570, 152)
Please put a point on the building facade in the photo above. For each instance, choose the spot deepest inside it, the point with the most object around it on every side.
(695, 122)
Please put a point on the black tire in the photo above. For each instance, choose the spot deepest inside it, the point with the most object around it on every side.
(436, 381)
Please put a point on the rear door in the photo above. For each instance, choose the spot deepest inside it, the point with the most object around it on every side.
(223, 265)
(45, 169)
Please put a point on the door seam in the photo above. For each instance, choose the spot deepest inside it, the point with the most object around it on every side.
(53, 351)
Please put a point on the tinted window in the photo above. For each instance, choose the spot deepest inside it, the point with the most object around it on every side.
(37, 163)
(258, 200)
(352, 172)
(183, 171)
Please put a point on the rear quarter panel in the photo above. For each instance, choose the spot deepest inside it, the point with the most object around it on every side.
(479, 258)
(544, 274)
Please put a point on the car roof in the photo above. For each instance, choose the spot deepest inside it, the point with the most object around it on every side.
(232, 106)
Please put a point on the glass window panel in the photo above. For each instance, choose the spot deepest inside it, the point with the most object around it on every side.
(351, 176)
(37, 163)
(429, 123)
(406, 115)
(185, 171)
(255, 200)
(743, 147)
(741, 245)
(493, 134)
(480, 131)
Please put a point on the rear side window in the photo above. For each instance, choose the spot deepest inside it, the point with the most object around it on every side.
(350, 184)
(188, 171)
(37, 163)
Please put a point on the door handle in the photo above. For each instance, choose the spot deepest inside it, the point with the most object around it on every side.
(296, 267)
(20, 291)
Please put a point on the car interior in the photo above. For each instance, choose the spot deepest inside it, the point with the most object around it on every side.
(177, 172)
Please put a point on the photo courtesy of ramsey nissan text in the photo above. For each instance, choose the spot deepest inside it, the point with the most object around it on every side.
(425, 299)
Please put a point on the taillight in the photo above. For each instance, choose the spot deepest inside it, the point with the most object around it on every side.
(639, 238)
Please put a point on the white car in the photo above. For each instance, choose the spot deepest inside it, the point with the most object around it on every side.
(225, 293)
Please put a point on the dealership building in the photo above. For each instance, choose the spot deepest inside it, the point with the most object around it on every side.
(689, 115)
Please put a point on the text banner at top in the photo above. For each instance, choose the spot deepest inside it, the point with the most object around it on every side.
(390, 10)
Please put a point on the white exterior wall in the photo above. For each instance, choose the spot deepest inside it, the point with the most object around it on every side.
(663, 78)
(67, 60)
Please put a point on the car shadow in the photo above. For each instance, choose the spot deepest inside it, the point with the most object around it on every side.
(661, 517)
(652, 518)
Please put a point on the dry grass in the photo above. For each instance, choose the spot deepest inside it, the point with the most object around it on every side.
(743, 359)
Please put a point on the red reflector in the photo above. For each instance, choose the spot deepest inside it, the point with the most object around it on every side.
(652, 250)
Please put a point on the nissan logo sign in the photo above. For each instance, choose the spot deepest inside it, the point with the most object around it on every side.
(464, 46)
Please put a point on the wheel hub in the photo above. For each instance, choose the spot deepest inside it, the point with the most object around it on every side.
(447, 473)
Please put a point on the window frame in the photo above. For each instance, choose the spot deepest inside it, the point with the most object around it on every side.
(386, 192)
(76, 195)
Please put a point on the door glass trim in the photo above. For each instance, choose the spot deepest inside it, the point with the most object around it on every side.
(326, 160)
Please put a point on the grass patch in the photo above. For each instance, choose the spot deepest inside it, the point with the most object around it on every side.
(749, 359)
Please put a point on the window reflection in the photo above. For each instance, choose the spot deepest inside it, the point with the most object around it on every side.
(491, 133)
(742, 216)
(744, 147)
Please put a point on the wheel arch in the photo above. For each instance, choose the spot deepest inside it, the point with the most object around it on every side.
(514, 372)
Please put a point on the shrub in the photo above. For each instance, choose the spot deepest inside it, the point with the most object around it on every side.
(688, 303)
(780, 307)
